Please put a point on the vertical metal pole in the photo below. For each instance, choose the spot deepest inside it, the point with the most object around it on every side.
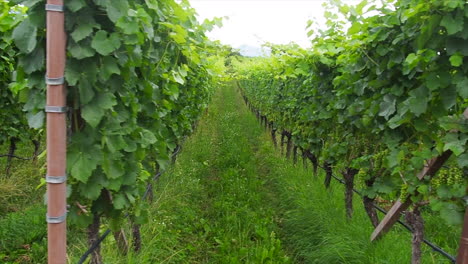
(462, 257)
(56, 133)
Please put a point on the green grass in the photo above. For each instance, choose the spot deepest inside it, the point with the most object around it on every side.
(316, 229)
(232, 198)
(18, 189)
(23, 236)
(22, 211)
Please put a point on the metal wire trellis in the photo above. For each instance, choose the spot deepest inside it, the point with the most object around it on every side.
(405, 225)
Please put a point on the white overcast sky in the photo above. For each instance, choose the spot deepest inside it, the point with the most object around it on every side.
(254, 22)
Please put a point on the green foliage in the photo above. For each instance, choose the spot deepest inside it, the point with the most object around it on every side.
(13, 123)
(398, 84)
(138, 77)
(231, 198)
(214, 205)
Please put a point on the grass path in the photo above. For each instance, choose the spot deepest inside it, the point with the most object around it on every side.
(214, 206)
(231, 198)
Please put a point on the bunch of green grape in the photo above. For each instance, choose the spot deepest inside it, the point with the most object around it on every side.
(448, 176)
(379, 158)
(404, 192)
(362, 174)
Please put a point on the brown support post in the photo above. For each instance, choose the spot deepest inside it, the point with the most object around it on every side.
(56, 133)
(433, 165)
(390, 218)
(462, 257)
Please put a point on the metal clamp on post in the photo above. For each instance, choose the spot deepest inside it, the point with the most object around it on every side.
(56, 179)
(55, 109)
(55, 81)
(54, 8)
(56, 219)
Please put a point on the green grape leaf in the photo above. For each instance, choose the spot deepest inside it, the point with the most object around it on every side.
(72, 74)
(455, 143)
(455, 45)
(456, 60)
(462, 88)
(418, 101)
(116, 9)
(104, 45)
(75, 5)
(449, 97)
(90, 190)
(453, 25)
(128, 25)
(82, 31)
(428, 30)
(36, 121)
(115, 143)
(86, 91)
(113, 168)
(153, 4)
(387, 107)
(131, 145)
(355, 28)
(463, 160)
(444, 192)
(115, 184)
(109, 67)
(147, 138)
(94, 111)
(25, 36)
(83, 167)
(452, 214)
(435, 81)
(383, 187)
(423, 189)
(411, 62)
(119, 201)
(176, 77)
(81, 51)
(33, 61)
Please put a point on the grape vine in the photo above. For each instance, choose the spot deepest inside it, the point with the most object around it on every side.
(382, 94)
(139, 75)
(14, 125)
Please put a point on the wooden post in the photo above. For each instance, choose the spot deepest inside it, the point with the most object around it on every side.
(462, 257)
(56, 133)
(433, 165)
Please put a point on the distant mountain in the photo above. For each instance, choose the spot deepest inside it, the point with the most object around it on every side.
(251, 51)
